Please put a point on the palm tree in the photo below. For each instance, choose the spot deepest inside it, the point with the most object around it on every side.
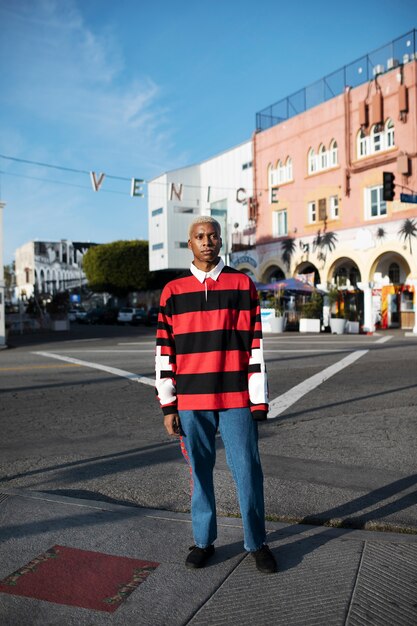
(317, 240)
(288, 248)
(380, 233)
(329, 240)
(408, 230)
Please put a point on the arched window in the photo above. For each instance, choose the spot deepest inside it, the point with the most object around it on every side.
(311, 161)
(389, 134)
(289, 168)
(322, 157)
(394, 273)
(334, 157)
(362, 144)
(280, 171)
(270, 175)
(376, 139)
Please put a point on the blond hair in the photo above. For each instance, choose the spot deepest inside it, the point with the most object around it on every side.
(204, 219)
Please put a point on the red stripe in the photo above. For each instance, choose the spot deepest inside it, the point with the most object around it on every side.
(219, 361)
(211, 320)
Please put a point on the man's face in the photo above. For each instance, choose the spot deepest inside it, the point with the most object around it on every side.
(205, 243)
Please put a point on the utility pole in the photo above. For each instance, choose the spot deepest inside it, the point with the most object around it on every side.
(2, 307)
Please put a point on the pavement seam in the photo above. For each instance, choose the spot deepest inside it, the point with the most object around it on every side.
(215, 591)
(355, 585)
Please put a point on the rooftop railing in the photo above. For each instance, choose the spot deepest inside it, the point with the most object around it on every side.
(398, 52)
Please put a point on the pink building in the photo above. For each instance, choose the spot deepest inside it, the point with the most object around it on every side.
(319, 190)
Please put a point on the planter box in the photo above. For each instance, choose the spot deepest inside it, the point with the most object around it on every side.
(337, 325)
(270, 323)
(352, 328)
(308, 325)
(277, 324)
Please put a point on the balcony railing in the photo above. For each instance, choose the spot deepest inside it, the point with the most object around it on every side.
(398, 52)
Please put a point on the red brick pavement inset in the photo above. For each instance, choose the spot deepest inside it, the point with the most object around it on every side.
(90, 580)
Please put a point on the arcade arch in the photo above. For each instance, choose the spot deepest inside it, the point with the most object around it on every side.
(272, 273)
(308, 268)
(344, 272)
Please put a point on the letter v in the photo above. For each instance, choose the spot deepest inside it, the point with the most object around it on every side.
(97, 183)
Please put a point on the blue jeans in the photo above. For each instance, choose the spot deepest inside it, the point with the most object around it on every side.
(240, 437)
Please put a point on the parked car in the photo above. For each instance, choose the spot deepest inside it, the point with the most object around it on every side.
(77, 314)
(126, 314)
(139, 317)
(152, 317)
(72, 315)
(100, 315)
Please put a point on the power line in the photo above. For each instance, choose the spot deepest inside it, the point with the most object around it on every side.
(59, 167)
(58, 182)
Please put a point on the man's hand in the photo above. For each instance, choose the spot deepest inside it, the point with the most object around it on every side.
(172, 424)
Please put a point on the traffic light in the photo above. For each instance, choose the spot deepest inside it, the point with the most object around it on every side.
(388, 190)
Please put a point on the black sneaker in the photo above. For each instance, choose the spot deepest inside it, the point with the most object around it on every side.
(265, 560)
(198, 557)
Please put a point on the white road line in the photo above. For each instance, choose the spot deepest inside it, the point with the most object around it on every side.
(384, 339)
(323, 350)
(105, 368)
(122, 351)
(136, 343)
(281, 404)
(276, 407)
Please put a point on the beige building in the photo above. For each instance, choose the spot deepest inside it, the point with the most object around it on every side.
(48, 267)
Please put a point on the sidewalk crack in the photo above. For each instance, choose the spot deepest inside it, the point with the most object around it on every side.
(358, 573)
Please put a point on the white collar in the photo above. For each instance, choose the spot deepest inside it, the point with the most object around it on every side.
(214, 273)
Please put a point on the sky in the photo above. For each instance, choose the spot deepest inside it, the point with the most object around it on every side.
(134, 89)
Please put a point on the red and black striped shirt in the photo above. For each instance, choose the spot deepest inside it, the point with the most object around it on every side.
(209, 352)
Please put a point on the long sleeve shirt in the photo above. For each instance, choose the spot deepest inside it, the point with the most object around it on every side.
(209, 352)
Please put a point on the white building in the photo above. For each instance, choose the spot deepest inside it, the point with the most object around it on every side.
(220, 186)
(47, 267)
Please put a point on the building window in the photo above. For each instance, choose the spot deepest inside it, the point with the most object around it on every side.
(376, 139)
(379, 139)
(247, 165)
(389, 133)
(184, 209)
(322, 209)
(279, 223)
(394, 273)
(375, 206)
(157, 246)
(362, 147)
(289, 168)
(312, 212)
(157, 211)
(334, 207)
(311, 161)
(282, 173)
(323, 158)
(334, 155)
(181, 244)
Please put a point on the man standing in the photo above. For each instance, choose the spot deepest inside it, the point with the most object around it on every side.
(210, 375)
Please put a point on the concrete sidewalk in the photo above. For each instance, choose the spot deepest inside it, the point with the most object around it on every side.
(326, 576)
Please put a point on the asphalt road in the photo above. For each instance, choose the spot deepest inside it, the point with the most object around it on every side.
(79, 416)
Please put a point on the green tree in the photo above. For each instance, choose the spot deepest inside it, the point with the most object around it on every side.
(118, 267)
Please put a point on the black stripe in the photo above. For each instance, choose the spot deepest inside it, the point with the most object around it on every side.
(211, 341)
(164, 326)
(196, 301)
(166, 374)
(256, 367)
(257, 334)
(160, 341)
(212, 383)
